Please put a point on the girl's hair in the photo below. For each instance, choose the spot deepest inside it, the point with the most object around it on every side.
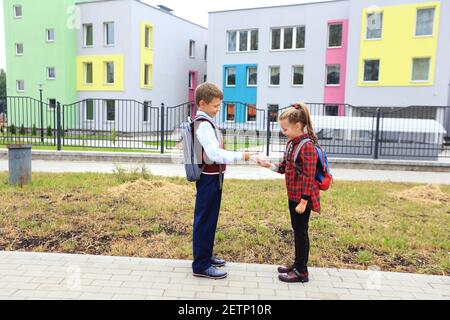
(299, 113)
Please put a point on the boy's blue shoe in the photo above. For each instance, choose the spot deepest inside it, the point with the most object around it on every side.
(212, 273)
(217, 262)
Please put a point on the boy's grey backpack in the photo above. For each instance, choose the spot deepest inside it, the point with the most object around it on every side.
(192, 164)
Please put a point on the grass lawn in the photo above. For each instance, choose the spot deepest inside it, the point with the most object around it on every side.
(75, 148)
(136, 214)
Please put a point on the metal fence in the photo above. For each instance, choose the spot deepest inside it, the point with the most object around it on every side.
(415, 132)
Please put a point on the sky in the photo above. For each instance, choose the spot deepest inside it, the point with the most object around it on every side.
(195, 11)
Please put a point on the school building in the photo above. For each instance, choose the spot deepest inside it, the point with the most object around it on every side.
(94, 55)
(340, 53)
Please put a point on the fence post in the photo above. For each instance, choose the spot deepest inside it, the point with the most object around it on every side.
(377, 134)
(58, 126)
(162, 127)
(268, 131)
(42, 116)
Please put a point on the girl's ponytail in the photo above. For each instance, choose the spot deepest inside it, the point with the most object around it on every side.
(300, 113)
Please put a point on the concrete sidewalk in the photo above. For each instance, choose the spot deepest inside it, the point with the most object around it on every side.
(238, 171)
(64, 276)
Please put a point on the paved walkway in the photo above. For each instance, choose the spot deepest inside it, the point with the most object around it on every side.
(63, 276)
(239, 171)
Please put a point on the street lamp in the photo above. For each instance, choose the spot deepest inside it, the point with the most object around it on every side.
(40, 85)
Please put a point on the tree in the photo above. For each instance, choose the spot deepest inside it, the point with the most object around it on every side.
(2, 83)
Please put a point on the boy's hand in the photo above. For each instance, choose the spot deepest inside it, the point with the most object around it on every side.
(300, 209)
(247, 155)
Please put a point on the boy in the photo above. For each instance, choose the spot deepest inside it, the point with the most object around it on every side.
(209, 190)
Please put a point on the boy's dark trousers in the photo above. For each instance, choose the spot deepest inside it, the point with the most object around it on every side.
(299, 223)
(206, 214)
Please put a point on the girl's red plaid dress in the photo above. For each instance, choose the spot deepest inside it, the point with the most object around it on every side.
(304, 186)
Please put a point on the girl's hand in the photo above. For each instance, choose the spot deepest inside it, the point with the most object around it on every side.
(300, 209)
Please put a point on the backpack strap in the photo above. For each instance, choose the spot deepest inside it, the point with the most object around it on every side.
(297, 152)
(203, 118)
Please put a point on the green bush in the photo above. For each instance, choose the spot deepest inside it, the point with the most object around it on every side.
(49, 131)
(12, 129)
(34, 130)
(22, 129)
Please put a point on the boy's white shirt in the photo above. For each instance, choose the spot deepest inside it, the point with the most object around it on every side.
(207, 138)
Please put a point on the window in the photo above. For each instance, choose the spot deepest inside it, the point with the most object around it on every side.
(110, 110)
(206, 53)
(19, 49)
(273, 112)
(192, 48)
(371, 70)
(88, 33)
(252, 76)
(331, 110)
(147, 73)
(51, 73)
(20, 85)
(242, 41)
(148, 37)
(230, 111)
(424, 22)
(50, 35)
(17, 11)
(52, 104)
(421, 69)
(109, 72)
(297, 75)
(191, 80)
(335, 35)
(333, 74)
(254, 39)
(374, 25)
(288, 38)
(109, 33)
(274, 74)
(205, 78)
(89, 110)
(251, 112)
(230, 77)
(88, 73)
(147, 106)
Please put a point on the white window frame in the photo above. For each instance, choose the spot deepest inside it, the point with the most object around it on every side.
(85, 45)
(191, 80)
(328, 35)
(294, 38)
(47, 32)
(234, 112)
(16, 47)
(148, 111)
(106, 73)
(246, 114)
(49, 104)
(106, 109)
(270, 77)
(364, 69)
(105, 34)
(14, 11)
(86, 112)
(147, 73)
(238, 38)
(18, 82)
(192, 46)
(226, 77)
(86, 73)
(293, 73)
(412, 70)
(248, 77)
(415, 23)
(367, 20)
(48, 73)
(326, 74)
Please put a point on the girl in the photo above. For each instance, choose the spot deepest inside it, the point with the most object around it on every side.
(302, 190)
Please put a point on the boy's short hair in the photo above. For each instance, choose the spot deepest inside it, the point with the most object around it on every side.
(207, 92)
